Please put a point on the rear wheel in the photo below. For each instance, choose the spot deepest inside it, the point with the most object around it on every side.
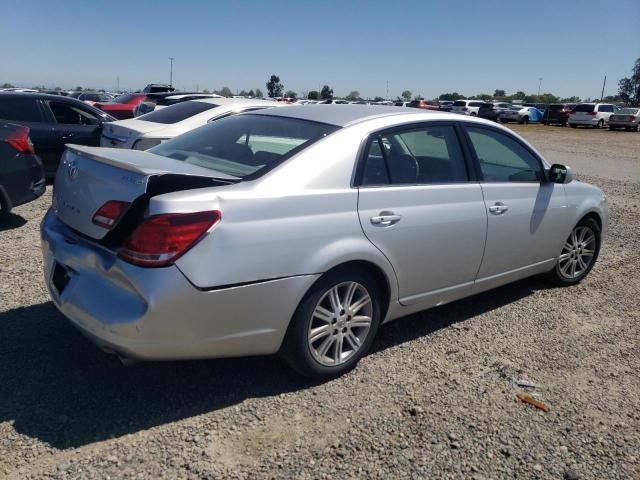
(473, 114)
(524, 120)
(600, 124)
(334, 325)
(578, 254)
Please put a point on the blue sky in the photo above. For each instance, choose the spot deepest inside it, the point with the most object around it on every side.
(428, 47)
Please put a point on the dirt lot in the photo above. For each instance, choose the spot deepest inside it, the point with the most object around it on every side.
(435, 399)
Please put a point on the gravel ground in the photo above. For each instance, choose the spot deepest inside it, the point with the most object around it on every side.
(435, 399)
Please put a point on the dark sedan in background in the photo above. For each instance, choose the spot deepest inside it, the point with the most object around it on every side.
(21, 172)
(122, 107)
(53, 121)
(491, 110)
(558, 113)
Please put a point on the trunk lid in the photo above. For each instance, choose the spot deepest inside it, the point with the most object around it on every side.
(124, 133)
(88, 177)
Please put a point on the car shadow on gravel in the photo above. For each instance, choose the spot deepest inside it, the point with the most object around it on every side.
(55, 386)
(11, 221)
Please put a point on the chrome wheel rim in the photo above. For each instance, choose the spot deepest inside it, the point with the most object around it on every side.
(340, 323)
(578, 253)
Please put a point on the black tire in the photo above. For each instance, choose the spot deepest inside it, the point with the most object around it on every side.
(295, 348)
(545, 123)
(628, 129)
(600, 124)
(636, 128)
(473, 114)
(5, 210)
(524, 120)
(556, 276)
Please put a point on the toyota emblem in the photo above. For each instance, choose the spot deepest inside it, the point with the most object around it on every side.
(72, 170)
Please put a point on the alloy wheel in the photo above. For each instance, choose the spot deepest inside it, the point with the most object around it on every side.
(578, 252)
(340, 323)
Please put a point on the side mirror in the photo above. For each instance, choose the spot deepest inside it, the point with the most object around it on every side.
(560, 173)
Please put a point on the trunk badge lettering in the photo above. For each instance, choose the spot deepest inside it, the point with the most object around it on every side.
(72, 170)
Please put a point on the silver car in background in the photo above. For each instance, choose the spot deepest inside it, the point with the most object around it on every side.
(300, 230)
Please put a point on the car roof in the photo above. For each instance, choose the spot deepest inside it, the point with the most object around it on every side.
(40, 96)
(235, 101)
(344, 115)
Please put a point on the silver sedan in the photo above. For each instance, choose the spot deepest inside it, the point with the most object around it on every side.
(302, 230)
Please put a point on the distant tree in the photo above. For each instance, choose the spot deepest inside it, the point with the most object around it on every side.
(225, 92)
(573, 99)
(612, 99)
(406, 95)
(353, 96)
(499, 93)
(326, 93)
(259, 93)
(7, 85)
(378, 99)
(291, 94)
(205, 91)
(274, 87)
(243, 93)
(519, 95)
(483, 96)
(78, 89)
(629, 87)
(57, 89)
(252, 93)
(544, 98)
(313, 95)
(451, 96)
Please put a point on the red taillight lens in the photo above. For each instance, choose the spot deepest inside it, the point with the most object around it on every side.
(632, 118)
(591, 113)
(19, 139)
(465, 109)
(162, 239)
(109, 213)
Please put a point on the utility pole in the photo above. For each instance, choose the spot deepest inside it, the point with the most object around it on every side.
(171, 71)
(539, 85)
(387, 90)
(118, 83)
(603, 84)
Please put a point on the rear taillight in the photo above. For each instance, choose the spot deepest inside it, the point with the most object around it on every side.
(591, 113)
(162, 239)
(109, 213)
(465, 109)
(632, 118)
(19, 139)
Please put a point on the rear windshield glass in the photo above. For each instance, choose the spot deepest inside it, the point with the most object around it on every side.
(556, 107)
(627, 111)
(20, 109)
(585, 107)
(459, 103)
(124, 98)
(176, 113)
(243, 145)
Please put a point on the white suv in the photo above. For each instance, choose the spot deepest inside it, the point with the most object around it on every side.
(592, 114)
(466, 107)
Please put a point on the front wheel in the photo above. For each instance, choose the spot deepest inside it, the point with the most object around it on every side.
(334, 325)
(578, 254)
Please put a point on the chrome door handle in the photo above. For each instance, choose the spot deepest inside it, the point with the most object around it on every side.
(385, 219)
(67, 136)
(498, 208)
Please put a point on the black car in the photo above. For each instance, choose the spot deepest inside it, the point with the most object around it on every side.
(54, 121)
(21, 172)
(491, 111)
(92, 97)
(558, 113)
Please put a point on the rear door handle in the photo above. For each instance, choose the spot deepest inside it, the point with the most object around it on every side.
(498, 208)
(67, 136)
(386, 218)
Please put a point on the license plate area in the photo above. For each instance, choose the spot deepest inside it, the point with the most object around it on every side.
(60, 278)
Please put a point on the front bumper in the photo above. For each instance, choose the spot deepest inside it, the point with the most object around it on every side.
(156, 313)
(618, 123)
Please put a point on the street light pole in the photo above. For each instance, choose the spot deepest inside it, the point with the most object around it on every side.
(539, 85)
(171, 71)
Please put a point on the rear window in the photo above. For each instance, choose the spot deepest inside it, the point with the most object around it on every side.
(555, 108)
(459, 103)
(628, 111)
(20, 109)
(176, 113)
(584, 107)
(124, 98)
(244, 145)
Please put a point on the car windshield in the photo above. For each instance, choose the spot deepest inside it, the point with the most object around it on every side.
(585, 107)
(628, 111)
(176, 113)
(124, 98)
(244, 145)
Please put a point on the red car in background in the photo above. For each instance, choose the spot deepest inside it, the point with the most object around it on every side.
(122, 107)
(423, 104)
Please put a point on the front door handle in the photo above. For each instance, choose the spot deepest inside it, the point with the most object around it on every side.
(498, 208)
(386, 218)
(67, 136)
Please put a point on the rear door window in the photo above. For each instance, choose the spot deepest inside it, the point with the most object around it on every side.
(502, 158)
(605, 108)
(425, 155)
(177, 113)
(459, 103)
(20, 109)
(68, 114)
